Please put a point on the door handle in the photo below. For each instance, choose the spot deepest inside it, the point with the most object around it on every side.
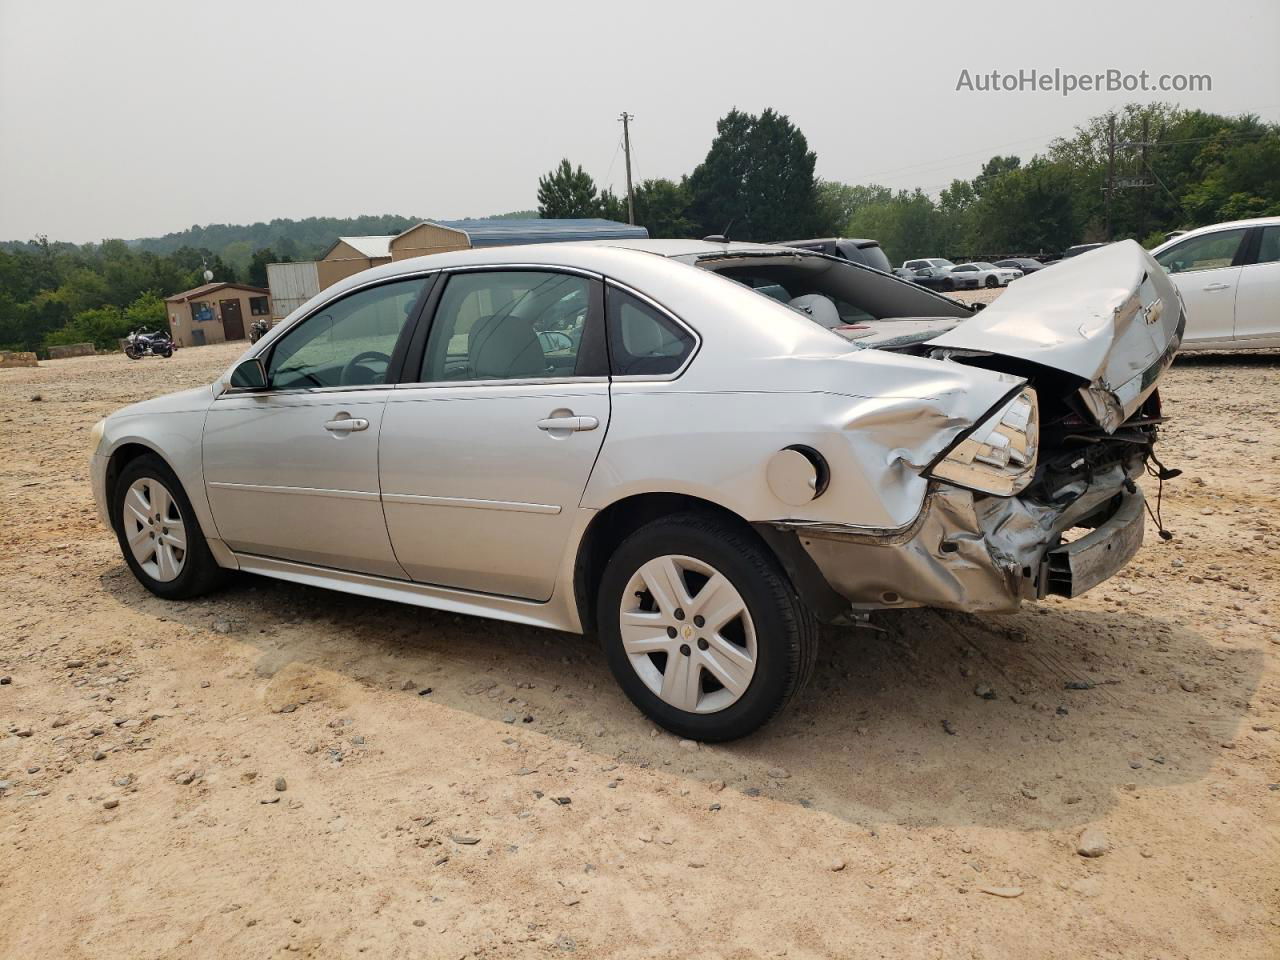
(568, 424)
(347, 425)
(1218, 286)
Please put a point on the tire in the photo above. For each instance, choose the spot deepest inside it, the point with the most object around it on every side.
(992, 282)
(775, 632)
(169, 573)
(132, 353)
(948, 284)
(168, 353)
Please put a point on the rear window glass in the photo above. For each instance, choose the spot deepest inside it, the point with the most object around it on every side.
(642, 340)
(874, 257)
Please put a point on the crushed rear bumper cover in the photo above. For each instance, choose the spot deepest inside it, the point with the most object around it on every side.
(979, 554)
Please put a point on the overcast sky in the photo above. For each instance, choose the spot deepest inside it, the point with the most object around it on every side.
(128, 119)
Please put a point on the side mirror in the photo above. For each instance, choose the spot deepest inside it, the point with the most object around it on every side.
(250, 375)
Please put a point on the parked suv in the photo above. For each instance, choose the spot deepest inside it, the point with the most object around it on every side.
(865, 252)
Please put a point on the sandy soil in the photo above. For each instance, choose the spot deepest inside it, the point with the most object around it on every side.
(422, 754)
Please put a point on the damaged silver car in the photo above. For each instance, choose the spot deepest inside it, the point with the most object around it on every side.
(697, 451)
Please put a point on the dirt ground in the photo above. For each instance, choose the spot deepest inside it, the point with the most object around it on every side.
(423, 755)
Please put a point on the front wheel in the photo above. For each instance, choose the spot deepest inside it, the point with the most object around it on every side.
(132, 353)
(159, 534)
(993, 282)
(948, 284)
(702, 629)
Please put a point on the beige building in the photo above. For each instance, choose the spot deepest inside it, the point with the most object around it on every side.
(350, 255)
(215, 312)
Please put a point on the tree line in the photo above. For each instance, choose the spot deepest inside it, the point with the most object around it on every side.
(757, 182)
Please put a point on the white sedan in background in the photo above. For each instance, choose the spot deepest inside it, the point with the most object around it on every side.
(1228, 275)
(986, 274)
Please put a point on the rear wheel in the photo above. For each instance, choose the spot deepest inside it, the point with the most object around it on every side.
(158, 532)
(702, 628)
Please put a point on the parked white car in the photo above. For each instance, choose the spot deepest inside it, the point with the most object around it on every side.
(986, 274)
(742, 441)
(936, 263)
(1228, 275)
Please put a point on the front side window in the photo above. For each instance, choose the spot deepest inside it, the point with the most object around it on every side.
(1204, 252)
(508, 325)
(643, 341)
(349, 342)
(964, 268)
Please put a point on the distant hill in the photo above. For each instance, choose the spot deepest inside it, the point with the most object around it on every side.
(292, 239)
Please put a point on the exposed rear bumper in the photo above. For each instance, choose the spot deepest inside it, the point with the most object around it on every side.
(983, 555)
(1081, 565)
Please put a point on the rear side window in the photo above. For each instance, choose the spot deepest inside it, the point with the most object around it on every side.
(508, 324)
(643, 341)
(1204, 252)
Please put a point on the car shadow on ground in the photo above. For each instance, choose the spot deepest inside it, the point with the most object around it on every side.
(1035, 721)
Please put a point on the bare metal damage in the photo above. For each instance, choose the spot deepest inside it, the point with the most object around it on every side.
(971, 552)
(1112, 321)
(1112, 317)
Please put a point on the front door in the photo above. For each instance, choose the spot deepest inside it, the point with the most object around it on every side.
(484, 460)
(292, 471)
(232, 321)
(1206, 270)
(1258, 299)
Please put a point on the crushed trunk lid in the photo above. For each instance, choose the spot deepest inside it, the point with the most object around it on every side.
(1110, 317)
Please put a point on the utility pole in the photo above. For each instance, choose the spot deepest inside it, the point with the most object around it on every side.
(1111, 168)
(626, 119)
(1142, 210)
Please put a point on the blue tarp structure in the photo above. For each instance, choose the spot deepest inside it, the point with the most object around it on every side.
(493, 233)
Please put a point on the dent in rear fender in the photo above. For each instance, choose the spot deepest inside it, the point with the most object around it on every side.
(717, 445)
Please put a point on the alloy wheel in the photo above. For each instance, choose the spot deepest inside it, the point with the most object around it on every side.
(688, 634)
(154, 529)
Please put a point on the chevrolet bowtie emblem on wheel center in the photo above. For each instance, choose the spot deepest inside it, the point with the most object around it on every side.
(688, 631)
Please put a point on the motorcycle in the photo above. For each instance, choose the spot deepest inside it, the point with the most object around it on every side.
(141, 344)
(259, 329)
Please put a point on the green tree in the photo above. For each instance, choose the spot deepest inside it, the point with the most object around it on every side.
(566, 193)
(1031, 210)
(662, 206)
(257, 272)
(758, 175)
(611, 206)
(838, 203)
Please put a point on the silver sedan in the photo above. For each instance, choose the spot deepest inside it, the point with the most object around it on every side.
(696, 451)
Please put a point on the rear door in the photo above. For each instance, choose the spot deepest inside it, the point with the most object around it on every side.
(483, 459)
(1206, 270)
(1258, 292)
